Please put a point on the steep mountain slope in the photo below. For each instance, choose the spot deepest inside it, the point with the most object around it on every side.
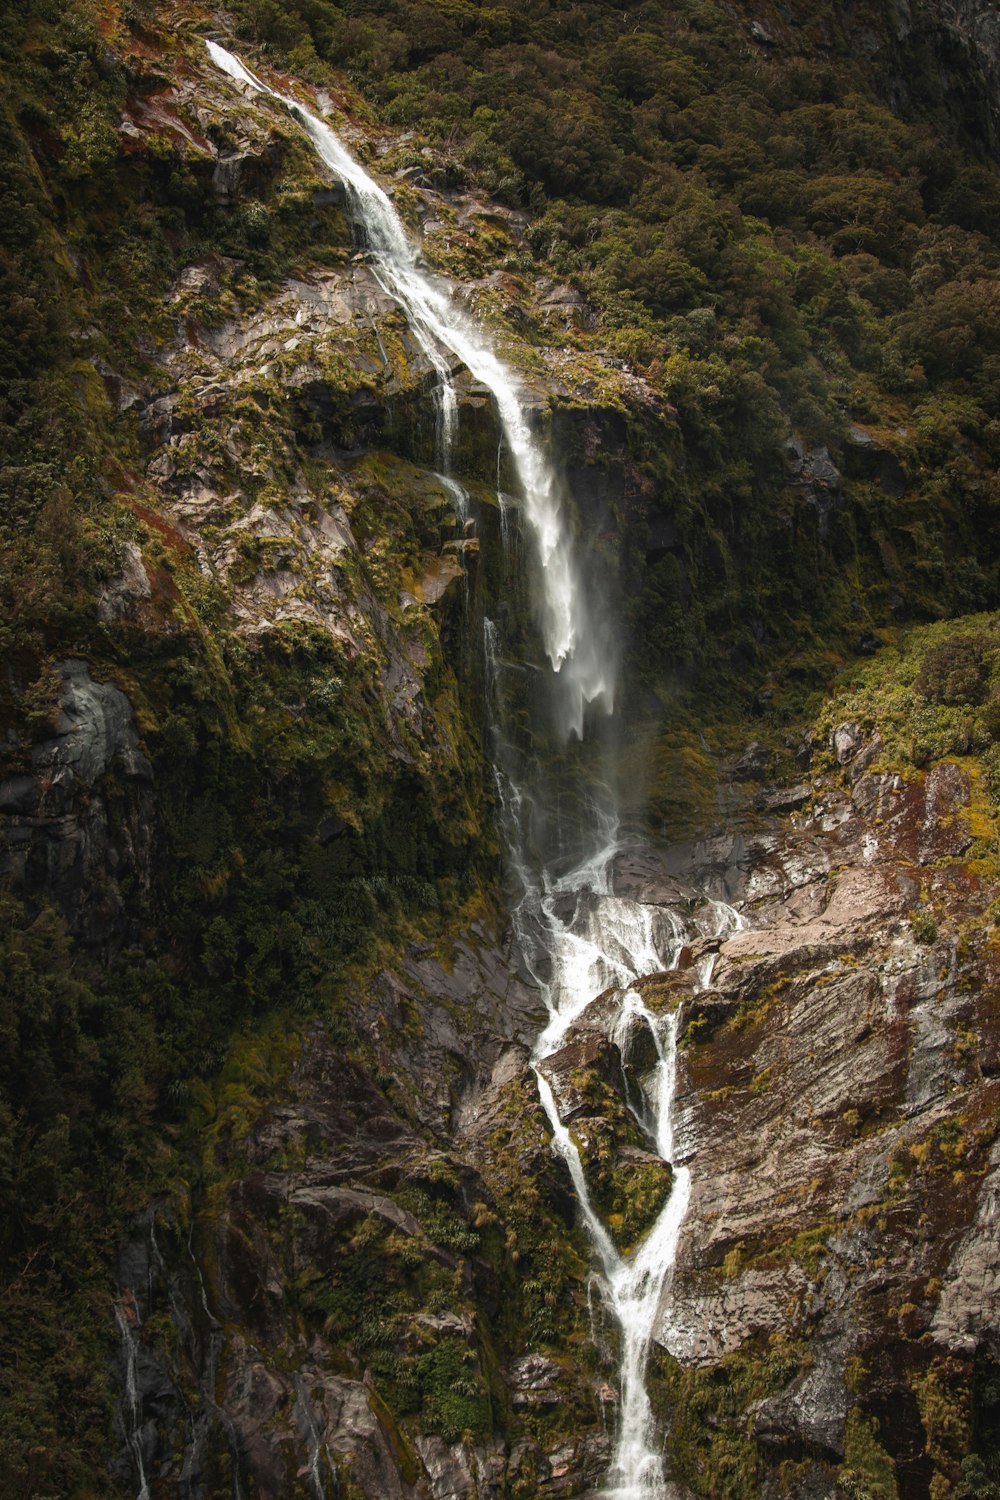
(257, 993)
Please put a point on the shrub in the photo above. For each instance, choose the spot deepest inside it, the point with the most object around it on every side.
(954, 672)
(923, 927)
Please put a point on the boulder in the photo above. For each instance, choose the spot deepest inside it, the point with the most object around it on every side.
(845, 741)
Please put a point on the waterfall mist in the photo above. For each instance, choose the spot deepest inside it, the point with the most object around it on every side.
(554, 748)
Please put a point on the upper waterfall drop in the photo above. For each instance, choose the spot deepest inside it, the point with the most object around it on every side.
(578, 651)
(576, 935)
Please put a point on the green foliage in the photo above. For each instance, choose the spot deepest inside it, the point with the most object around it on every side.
(769, 246)
(977, 1483)
(771, 243)
(455, 1401)
(954, 672)
(945, 1401)
(931, 694)
(923, 927)
(629, 1192)
(543, 1271)
(980, 1468)
(282, 855)
(374, 1301)
(710, 1443)
(867, 1472)
(442, 1223)
(75, 1096)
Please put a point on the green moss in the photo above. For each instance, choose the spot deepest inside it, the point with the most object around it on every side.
(455, 1401)
(441, 1221)
(923, 927)
(670, 778)
(762, 1081)
(867, 1472)
(628, 1193)
(251, 1078)
(754, 279)
(543, 1265)
(918, 727)
(708, 1414)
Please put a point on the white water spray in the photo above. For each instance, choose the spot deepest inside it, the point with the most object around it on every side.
(607, 941)
(587, 941)
(577, 936)
(441, 329)
(127, 1319)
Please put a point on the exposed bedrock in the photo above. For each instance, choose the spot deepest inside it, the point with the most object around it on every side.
(838, 1106)
(374, 1282)
(382, 1243)
(77, 829)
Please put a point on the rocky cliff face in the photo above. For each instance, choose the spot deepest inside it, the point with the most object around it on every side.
(80, 825)
(833, 1310)
(939, 55)
(256, 791)
(971, 34)
(830, 1326)
(839, 1105)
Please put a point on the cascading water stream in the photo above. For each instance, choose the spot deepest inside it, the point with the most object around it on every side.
(439, 325)
(610, 942)
(575, 934)
(127, 1319)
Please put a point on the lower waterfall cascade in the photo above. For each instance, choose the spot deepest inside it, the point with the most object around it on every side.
(577, 937)
(500, 751)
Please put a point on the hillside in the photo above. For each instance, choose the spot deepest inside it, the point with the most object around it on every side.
(279, 1208)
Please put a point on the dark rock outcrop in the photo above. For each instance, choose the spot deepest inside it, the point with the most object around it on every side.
(77, 829)
(818, 476)
(249, 1323)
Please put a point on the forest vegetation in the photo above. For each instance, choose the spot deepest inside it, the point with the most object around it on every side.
(785, 223)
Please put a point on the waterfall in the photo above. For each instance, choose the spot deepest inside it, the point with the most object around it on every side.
(575, 934)
(127, 1319)
(445, 334)
(609, 942)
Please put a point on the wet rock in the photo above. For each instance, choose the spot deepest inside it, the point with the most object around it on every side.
(716, 867)
(19, 794)
(760, 33)
(478, 992)
(638, 1049)
(562, 305)
(246, 168)
(864, 759)
(755, 762)
(629, 1031)
(535, 1381)
(968, 1311)
(639, 874)
(919, 820)
(716, 1314)
(818, 1100)
(811, 1411)
(450, 1470)
(588, 1057)
(241, 1380)
(818, 476)
(811, 1481)
(868, 459)
(120, 595)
